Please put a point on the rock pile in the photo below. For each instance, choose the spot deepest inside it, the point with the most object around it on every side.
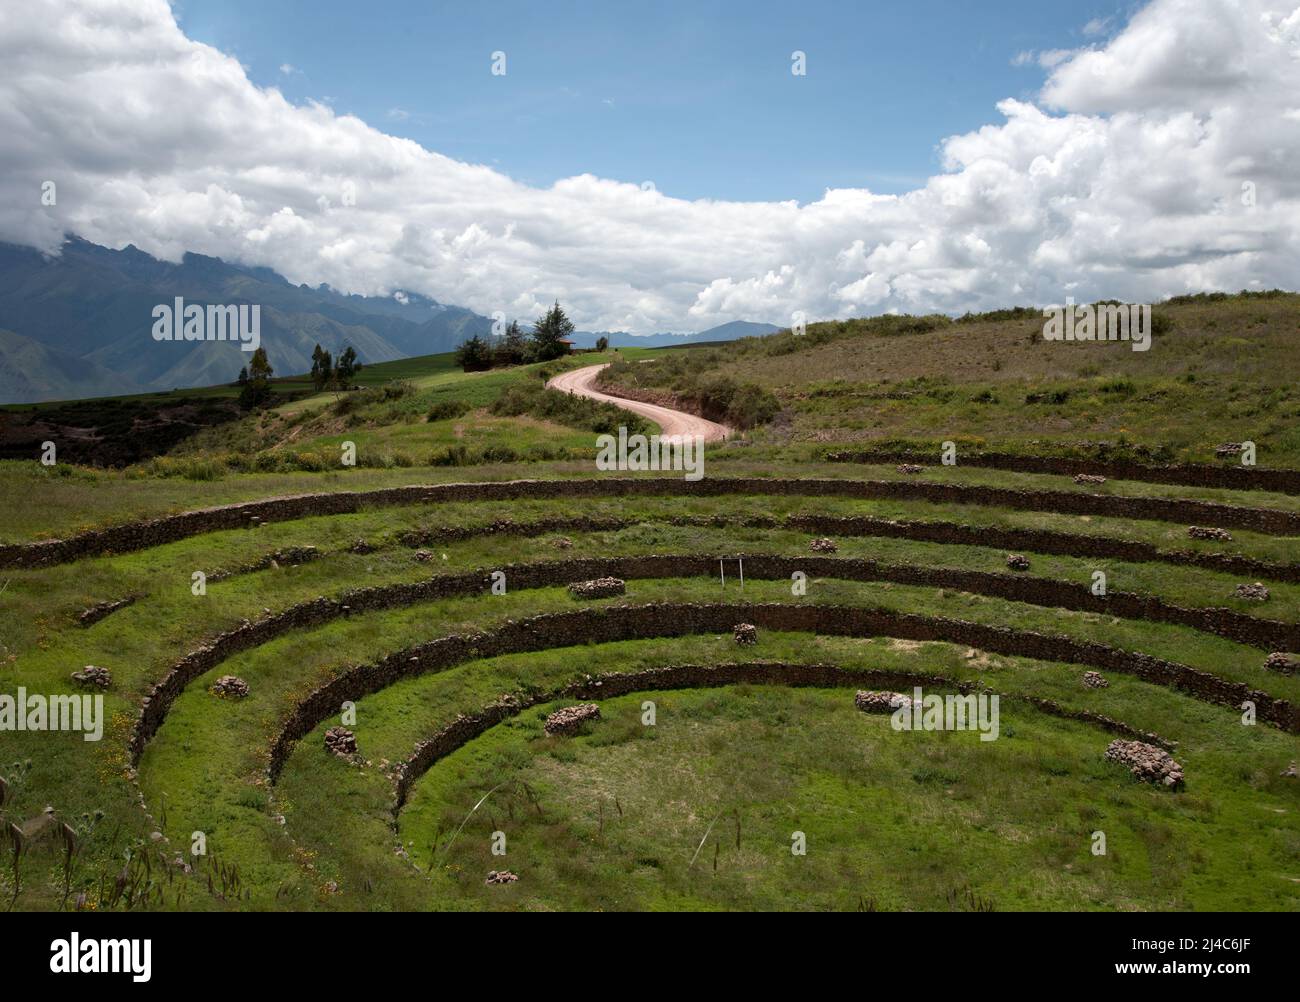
(1095, 680)
(1255, 592)
(745, 633)
(341, 741)
(1017, 562)
(231, 686)
(1229, 449)
(501, 877)
(1291, 772)
(568, 720)
(1089, 478)
(823, 545)
(869, 701)
(599, 588)
(910, 468)
(1147, 762)
(99, 678)
(1205, 532)
(361, 546)
(423, 556)
(563, 543)
(1280, 661)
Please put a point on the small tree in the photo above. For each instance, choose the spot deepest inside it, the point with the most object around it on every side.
(474, 355)
(257, 388)
(513, 349)
(602, 343)
(345, 372)
(549, 331)
(322, 368)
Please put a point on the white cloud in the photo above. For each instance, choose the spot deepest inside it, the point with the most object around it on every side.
(289, 70)
(1124, 180)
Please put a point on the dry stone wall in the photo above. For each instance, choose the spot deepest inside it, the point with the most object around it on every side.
(169, 528)
(1040, 591)
(1232, 476)
(606, 686)
(658, 620)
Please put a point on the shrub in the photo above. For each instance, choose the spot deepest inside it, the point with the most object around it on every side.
(446, 409)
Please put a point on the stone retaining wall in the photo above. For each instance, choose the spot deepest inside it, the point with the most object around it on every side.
(606, 686)
(169, 528)
(1232, 476)
(1266, 634)
(659, 620)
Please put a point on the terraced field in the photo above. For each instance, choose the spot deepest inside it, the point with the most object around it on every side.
(427, 614)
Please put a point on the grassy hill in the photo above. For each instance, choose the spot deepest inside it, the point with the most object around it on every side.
(373, 584)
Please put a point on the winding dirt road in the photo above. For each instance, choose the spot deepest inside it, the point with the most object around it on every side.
(673, 423)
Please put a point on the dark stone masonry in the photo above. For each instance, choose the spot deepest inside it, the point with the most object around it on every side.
(169, 528)
(1265, 634)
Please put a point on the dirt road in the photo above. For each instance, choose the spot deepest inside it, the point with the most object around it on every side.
(673, 423)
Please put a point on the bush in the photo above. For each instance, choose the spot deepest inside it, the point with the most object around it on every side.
(446, 409)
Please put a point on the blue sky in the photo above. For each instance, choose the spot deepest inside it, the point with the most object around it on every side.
(695, 97)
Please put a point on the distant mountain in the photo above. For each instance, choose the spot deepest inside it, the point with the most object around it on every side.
(80, 324)
(723, 332)
(30, 371)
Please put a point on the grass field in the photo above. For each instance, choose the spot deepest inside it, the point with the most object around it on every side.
(699, 809)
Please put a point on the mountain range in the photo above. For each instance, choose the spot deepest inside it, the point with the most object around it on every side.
(78, 325)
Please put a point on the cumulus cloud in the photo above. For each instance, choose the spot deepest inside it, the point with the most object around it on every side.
(1127, 177)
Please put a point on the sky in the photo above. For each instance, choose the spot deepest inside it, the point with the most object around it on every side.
(666, 170)
(695, 97)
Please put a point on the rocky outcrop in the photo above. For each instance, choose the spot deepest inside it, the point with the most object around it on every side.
(869, 701)
(569, 720)
(93, 677)
(230, 687)
(606, 587)
(341, 742)
(1147, 762)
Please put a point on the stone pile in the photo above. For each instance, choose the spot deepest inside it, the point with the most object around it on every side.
(361, 546)
(599, 588)
(1280, 661)
(99, 678)
(1205, 532)
(1255, 592)
(1147, 762)
(423, 556)
(1089, 478)
(869, 701)
(563, 543)
(910, 468)
(568, 720)
(230, 685)
(341, 741)
(1017, 562)
(745, 633)
(1229, 449)
(823, 545)
(1095, 680)
(501, 877)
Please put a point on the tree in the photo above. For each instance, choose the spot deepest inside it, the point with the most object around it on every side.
(602, 343)
(257, 388)
(322, 368)
(513, 349)
(345, 372)
(474, 355)
(549, 331)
